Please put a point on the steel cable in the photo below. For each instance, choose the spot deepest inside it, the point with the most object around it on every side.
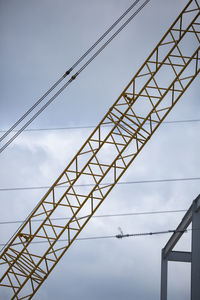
(102, 216)
(105, 34)
(118, 236)
(92, 184)
(69, 71)
(112, 37)
(31, 109)
(93, 126)
(73, 77)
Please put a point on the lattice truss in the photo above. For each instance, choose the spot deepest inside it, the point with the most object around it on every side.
(26, 261)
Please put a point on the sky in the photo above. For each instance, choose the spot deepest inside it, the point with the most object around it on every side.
(39, 41)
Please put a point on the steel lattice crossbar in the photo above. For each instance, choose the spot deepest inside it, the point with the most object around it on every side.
(105, 156)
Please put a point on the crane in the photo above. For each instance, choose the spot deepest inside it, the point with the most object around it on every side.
(26, 261)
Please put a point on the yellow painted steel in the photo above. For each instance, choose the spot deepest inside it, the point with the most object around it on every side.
(26, 261)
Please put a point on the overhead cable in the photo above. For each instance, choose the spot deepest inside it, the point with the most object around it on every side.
(94, 126)
(70, 69)
(73, 77)
(90, 184)
(104, 35)
(112, 37)
(103, 216)
(31, 109)
(121, 235)
(118, 236)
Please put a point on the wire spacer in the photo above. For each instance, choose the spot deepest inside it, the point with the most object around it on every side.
(74, 76)
(67, 72)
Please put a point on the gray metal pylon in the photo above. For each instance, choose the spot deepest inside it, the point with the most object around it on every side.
(195, 266)
(193, 257)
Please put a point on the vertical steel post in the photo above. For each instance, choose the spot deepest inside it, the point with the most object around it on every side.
(193, 257)
(164, 272)
(195, 266)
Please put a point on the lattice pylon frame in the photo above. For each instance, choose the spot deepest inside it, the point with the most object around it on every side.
(26, 262)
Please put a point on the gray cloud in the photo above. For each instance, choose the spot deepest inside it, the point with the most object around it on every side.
(39, 41)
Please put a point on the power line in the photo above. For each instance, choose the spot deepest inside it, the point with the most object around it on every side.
(11, 129)
(94, 126)
(71, 79)
(121, 236)
(104, 35)
(90, 184)
(118, 236)
(69, 70)
(112, 37)
(103, 216)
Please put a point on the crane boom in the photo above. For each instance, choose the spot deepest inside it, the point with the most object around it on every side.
(142, 106)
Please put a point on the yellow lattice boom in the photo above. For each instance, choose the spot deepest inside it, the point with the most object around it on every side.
(114, 144)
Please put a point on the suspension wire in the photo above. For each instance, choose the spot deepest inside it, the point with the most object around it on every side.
(35, 116)
(31, 109)
(103, 216)
(112, 37)
(68, 72)
(121, 236)
(104, 35)
(118, 236)
(91, 184)
(70, 128)
(94, 126)
(61, 89)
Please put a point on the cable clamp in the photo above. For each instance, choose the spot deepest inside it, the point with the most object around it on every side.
(67, 72)
(74, 76)
(119, 236)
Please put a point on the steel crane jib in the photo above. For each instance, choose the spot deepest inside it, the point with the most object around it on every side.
(133, 118)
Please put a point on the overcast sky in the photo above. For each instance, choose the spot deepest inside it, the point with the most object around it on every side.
(39, 41)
